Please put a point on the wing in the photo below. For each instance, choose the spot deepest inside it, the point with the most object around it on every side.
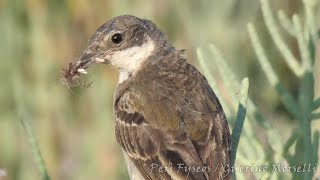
(218, 157)
(171, 130)
(157, 153)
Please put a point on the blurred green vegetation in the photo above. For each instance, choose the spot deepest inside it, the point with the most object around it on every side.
(74, 127)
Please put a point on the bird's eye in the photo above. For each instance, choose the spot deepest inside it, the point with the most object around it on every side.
(117, 38)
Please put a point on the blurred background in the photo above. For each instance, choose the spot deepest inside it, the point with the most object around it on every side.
(75, 126)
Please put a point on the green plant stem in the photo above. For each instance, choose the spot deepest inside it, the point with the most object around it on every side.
(303, 45)
(35, 150)
(305, 102)
(290, 142)
(286, 23)
(241, 115)
(279, 42)
(273, 79)
(315, 146)
(316, 104)
(315, 116)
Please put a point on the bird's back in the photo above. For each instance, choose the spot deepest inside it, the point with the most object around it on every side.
(167, 116)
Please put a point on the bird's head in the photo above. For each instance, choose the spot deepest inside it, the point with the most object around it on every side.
(124, 42)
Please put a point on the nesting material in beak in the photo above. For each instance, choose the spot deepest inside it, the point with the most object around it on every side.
(82, 71)
(99, 60)
(71, 74)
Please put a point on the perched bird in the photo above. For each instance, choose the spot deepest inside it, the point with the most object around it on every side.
(168, 121)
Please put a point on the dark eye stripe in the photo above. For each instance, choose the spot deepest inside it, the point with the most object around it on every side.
(138, 35)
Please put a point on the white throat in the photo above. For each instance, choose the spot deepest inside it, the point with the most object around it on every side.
(131, 59)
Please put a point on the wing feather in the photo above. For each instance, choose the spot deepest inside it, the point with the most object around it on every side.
(165, 130)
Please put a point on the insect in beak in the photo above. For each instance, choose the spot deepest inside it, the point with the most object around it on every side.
(71, 74)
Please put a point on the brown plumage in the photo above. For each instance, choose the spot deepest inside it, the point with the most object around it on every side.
(169, 122)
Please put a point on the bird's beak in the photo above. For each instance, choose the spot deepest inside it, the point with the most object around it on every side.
(88, 58)
(72, 72)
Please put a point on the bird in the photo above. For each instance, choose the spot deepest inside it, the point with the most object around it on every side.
(168, 121)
